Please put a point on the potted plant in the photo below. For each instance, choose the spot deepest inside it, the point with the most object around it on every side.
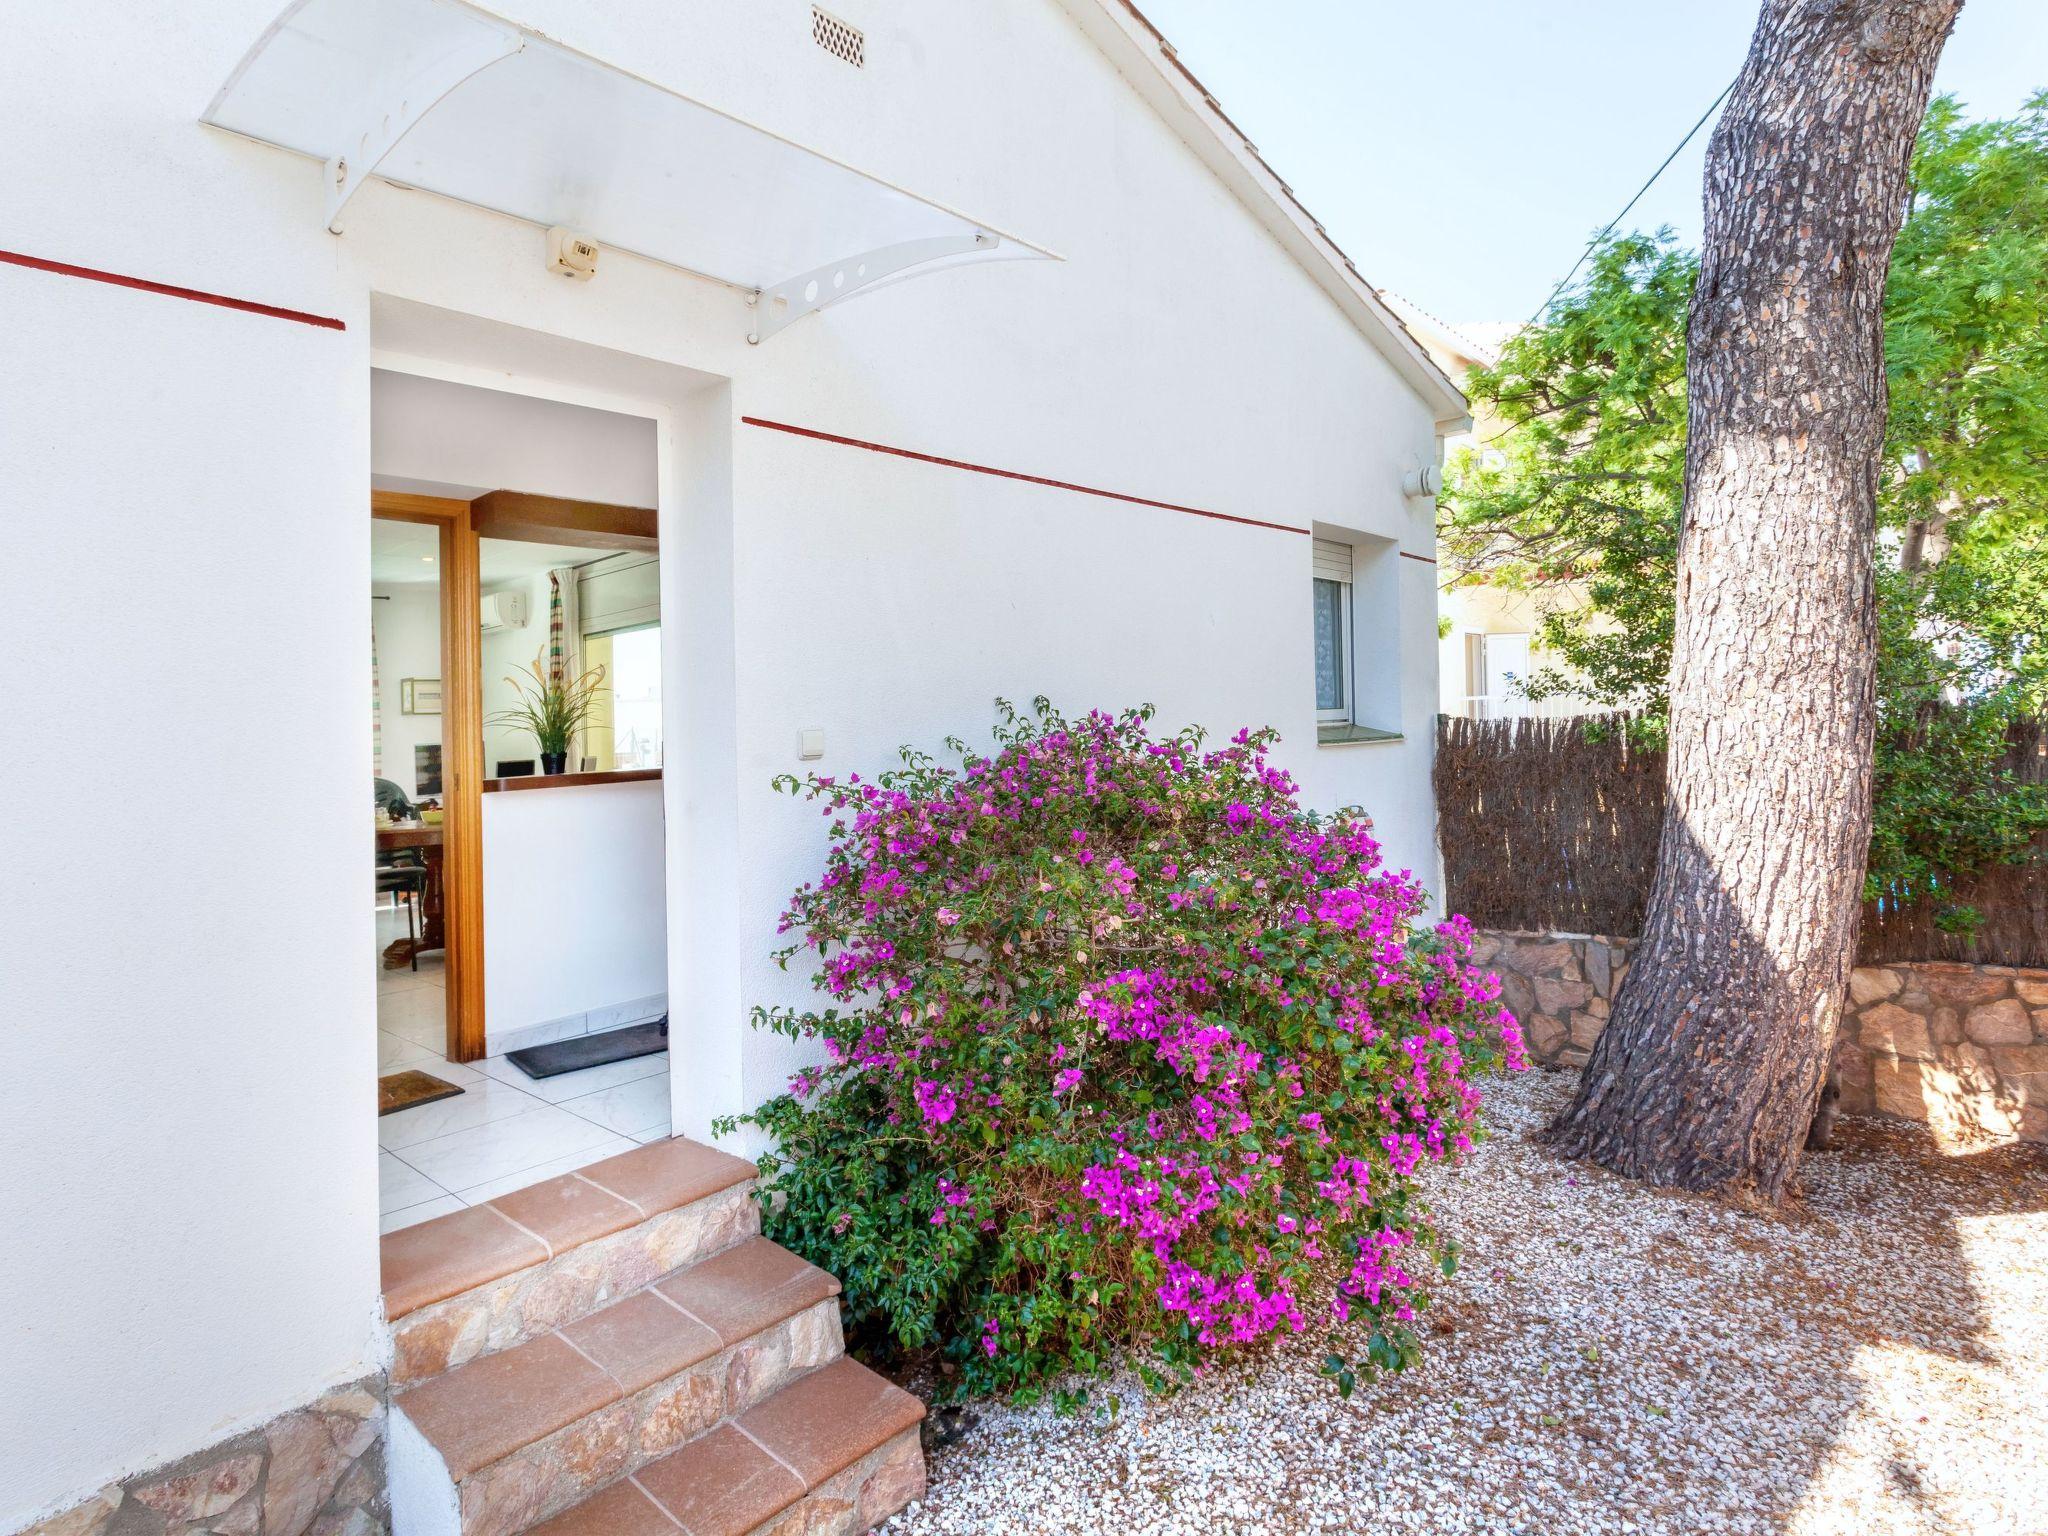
(551, 709)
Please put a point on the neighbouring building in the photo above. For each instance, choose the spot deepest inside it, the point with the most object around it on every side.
(932, 353)
(1489, 636)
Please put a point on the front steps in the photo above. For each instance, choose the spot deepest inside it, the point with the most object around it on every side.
(834, 1453)
(619, 1350)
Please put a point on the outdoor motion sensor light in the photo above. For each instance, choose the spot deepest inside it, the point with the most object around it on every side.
(571, 254)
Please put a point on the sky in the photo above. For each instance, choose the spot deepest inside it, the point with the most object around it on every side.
(1463, 152)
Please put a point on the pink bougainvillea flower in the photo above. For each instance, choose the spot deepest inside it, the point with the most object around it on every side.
(935, 1102)
(1275, 1043)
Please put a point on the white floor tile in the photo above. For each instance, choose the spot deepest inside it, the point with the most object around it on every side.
(661, 1132)
(574, 1085)
(395, 1052)
(433, 972)
(478, 1104)
(426, 1210)
(490, 1190)
(418, 1013)
(400, 1185)
(486, 1152)
(390, 924)
(636, 1106)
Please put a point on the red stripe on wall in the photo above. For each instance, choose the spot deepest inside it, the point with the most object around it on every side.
(170, 290)
(1012, 474)
(1425, 559)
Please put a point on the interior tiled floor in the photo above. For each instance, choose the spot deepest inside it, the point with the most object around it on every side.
(505, 1130)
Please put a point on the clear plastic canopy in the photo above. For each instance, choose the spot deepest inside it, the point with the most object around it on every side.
(440, 95)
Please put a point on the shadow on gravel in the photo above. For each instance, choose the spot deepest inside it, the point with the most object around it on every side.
(1892, 1180)
(1946, 1188)
(1871, 1353)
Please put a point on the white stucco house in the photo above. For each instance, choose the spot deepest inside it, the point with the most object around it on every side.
(973, 352)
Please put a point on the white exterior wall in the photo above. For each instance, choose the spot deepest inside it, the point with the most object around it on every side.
(195, 1233)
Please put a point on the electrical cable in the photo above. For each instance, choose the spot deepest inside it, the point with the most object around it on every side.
(1594, 243)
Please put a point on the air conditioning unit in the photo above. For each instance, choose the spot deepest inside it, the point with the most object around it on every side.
(504, 610)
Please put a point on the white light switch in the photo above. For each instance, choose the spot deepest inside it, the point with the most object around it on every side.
(810, 744)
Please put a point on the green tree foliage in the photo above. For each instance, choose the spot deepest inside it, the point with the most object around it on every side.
(1581, 491)
(1578, 495)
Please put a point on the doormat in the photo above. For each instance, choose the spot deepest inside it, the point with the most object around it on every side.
(406, 1090)
(580, 1051)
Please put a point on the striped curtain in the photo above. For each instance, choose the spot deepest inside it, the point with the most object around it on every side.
(555, 667)
(565, 638)
(376, 708)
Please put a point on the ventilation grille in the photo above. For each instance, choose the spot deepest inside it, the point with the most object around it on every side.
(839, 39)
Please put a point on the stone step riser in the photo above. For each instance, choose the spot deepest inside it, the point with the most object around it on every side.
(548, 1476)
(571, 1285)
(835, 1452)
(882, 1483)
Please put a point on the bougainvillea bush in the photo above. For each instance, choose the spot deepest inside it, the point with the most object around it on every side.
(1129, 1057)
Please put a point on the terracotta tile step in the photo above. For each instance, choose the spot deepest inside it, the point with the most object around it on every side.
(436, 1259)
(833, 1453)
(496, 1274)
(529, 1430)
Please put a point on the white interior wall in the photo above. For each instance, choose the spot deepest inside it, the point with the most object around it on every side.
(428, 432)
(575, 911)
(406, 619)
(1178, 354)
(505, 654)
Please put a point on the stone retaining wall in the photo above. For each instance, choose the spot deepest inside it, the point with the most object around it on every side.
(1962, 1047)
(316, 1471)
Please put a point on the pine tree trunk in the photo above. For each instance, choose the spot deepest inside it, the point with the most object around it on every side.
(1707, 1074)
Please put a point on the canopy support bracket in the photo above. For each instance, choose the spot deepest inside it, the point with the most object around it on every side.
(427, 88)
(785, 303)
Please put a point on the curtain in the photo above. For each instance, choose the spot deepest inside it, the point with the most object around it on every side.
(565, 640)
(376, 706)
(556, 664)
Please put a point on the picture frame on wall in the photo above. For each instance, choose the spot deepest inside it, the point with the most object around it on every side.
(419, 695)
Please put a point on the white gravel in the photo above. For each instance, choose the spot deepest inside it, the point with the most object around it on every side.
(1613, 1359)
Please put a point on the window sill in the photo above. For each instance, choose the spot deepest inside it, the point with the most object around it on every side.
(572, 780)
(1354, 735)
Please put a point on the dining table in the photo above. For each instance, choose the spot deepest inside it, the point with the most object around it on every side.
(392, 838)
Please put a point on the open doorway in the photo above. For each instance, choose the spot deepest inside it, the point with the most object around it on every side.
(410, 791)
(560, 1058)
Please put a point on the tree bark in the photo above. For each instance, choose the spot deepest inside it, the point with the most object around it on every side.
(1707, 1075)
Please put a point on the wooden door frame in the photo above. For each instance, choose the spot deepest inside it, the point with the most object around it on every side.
(462, 756)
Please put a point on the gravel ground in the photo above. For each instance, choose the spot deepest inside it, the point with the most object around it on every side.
(1613, 1359)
